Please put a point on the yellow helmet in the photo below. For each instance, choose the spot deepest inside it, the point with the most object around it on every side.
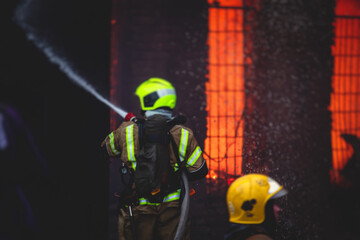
(155, 93)
(247, 197)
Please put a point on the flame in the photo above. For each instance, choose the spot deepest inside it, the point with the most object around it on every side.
(212, 175)
(230, 180)
(225, 88)
(347, 8)
(346, 86)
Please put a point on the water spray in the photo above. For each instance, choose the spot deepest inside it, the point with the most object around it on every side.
(64, 66)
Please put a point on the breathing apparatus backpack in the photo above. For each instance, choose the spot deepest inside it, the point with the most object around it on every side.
(154, 176)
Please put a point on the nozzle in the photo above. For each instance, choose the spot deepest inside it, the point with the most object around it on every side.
(129, 117)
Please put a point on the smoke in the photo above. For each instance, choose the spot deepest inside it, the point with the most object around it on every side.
(20, 17)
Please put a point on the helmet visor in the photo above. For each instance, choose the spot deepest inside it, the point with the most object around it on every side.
(149, 100)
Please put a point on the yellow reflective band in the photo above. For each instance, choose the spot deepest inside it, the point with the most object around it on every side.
(194, 157)
(176, 167)
(183, 144)
(130, 145)
(144, 201)
(112, 145)
(172, 196)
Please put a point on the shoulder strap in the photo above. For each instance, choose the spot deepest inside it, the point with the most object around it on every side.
(175, 148)
(140, 122)
(176, 121)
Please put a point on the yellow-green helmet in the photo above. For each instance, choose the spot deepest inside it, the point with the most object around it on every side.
(155, 93)
(247, 197)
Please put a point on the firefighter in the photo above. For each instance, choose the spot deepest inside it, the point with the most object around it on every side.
(252, 212)
(155, 217)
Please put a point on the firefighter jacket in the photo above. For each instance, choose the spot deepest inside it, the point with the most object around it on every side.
(124, 142)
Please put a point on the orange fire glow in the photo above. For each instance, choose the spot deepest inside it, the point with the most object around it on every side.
(346, 85)
(225, 88)
(212, 175)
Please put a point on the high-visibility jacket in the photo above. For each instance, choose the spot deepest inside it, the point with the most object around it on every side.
(124, 142)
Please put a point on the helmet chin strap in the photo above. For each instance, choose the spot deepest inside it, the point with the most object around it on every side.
(163, 112)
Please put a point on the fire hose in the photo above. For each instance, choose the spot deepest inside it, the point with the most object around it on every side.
(181, 229)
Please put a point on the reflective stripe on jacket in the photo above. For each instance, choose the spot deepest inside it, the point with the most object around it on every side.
(124, 142)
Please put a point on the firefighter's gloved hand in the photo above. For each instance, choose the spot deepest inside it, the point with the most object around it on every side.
(130, 116)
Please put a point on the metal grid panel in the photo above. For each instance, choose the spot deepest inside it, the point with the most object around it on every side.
(225, 90)
(345, 98)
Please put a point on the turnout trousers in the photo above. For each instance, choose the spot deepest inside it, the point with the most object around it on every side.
(153, 222)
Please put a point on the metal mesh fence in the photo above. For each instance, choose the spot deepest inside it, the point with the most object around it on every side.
(225, 90)
(345, 98)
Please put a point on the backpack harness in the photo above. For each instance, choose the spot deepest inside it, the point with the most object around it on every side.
(154, 177)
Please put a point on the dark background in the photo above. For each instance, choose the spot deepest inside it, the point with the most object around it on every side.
(68, 124)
